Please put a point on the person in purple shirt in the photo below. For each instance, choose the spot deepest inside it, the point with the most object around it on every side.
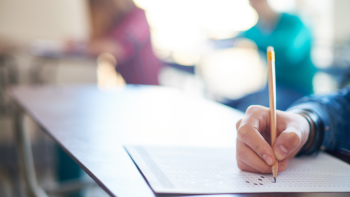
(120, 28)
(310, 124)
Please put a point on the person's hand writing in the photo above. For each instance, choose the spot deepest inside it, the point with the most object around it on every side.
(254, 152)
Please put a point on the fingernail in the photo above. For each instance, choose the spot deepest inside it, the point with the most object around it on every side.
(281, 152)
(267, 159)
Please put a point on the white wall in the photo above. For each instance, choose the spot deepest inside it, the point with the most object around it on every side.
(341, 21)
(45, 19)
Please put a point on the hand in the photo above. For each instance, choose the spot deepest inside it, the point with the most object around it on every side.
(254, 152)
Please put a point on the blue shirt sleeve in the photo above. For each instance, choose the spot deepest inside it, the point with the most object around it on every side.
(334, 112)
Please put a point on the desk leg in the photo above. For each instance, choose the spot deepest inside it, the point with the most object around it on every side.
(26, 158)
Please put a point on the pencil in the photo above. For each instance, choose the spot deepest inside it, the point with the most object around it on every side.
(272, 102)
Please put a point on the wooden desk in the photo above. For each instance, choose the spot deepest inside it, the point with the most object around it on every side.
(92, 126)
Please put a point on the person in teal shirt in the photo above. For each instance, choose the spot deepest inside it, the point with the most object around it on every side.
(292, 42)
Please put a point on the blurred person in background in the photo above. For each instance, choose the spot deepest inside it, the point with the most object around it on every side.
(292, 42)
(120, 28)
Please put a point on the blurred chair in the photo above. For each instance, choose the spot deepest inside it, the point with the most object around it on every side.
(8, 77)
(8, 160)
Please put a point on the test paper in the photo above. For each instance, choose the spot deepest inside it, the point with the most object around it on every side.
(203, 170)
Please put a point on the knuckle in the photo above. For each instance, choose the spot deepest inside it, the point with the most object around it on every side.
(255, 108)
(243, 131)
(252, 108)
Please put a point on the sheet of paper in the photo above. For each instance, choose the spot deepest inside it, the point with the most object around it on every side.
(195, 170)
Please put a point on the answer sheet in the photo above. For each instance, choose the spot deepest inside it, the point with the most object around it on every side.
(202, 170)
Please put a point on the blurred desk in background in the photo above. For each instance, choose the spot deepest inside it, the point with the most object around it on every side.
(92, 125)
(50, 54)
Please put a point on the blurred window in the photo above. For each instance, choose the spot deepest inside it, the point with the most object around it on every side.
(180, 28)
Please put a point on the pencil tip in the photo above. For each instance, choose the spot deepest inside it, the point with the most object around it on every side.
(274, 179)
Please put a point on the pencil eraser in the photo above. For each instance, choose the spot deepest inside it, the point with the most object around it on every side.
(270, 48)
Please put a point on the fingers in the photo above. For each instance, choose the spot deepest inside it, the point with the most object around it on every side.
(249, 134)
(243, 166)
(253, 150)
(249, 158)
(282, 165)
(238, 123)
(286, 143)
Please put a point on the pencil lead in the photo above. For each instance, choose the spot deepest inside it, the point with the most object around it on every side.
(274, 179)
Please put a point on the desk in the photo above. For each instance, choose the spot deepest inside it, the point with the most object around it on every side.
(92, 126)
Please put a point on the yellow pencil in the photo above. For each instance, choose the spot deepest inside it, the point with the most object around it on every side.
(272, 101)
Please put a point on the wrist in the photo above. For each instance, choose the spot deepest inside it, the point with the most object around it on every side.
(316, 131)
(311, 133)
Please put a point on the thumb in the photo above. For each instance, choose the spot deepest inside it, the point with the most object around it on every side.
(286, 143)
